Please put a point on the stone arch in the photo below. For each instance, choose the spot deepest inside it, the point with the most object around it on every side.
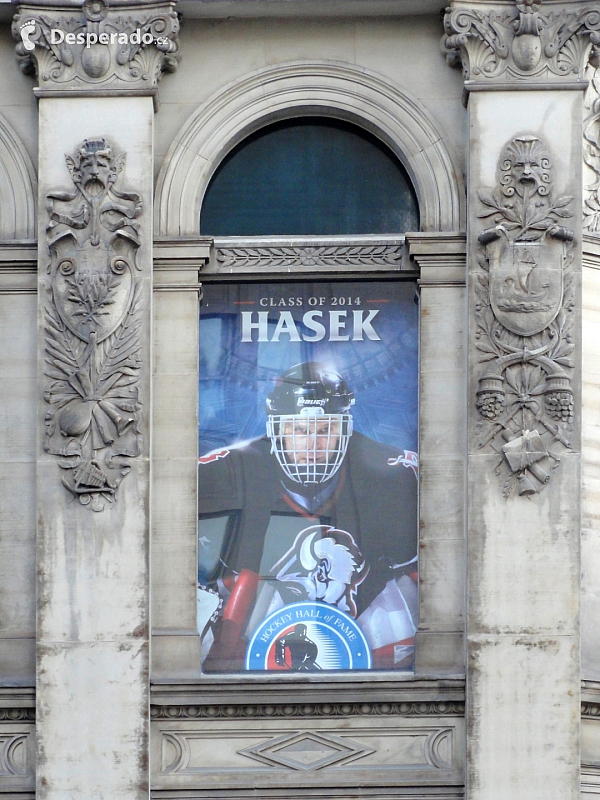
(298, 89)
(18, 187)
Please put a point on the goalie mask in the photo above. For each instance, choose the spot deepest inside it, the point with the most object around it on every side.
(309, 422)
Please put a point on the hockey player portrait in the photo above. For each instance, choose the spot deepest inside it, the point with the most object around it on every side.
(312, 513)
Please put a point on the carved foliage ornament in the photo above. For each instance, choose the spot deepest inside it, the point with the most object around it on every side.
(364, 256)
(523, 42)
(591, 151)
(92, 327)
(525, 317)
(98, 46)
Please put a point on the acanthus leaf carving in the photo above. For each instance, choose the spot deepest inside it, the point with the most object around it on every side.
(521, 43)
(591, 151)
(93, 351)
(99, 47)
(308, 256)
(525, 317)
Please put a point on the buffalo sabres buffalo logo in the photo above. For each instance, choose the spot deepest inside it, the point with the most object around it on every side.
(323, 564)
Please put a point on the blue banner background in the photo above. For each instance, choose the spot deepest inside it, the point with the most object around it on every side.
(236, 376)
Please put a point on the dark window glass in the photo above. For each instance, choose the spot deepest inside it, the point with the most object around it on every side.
(309, 177)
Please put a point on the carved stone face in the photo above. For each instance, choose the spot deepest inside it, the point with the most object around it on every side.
(94, 167)
(525, 167)
(96, 170)
(528, 170)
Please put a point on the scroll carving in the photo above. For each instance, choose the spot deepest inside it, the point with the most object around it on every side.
(522, 43)
(525, 318)
(92, 327)
(100, 46)
(14, 762)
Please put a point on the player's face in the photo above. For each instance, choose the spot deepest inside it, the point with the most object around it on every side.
(311, 441)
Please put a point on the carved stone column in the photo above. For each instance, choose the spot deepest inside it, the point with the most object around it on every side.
(97, 70)
(523, 64)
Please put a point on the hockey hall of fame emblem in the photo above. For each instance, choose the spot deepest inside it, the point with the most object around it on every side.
(304, 637)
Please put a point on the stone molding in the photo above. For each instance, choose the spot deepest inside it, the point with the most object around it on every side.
(17, 714)
(306, 254)
(287, 710)
(590, 710)
(119, 63)
(18, 187)
(441, 258)
(522, 41)
(254, 258)
(326, 88)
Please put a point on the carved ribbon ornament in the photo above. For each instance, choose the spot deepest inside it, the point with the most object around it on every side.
(525, 317)
(92, 327)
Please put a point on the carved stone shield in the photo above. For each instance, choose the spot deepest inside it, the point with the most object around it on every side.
(92, 294)
(526, 283)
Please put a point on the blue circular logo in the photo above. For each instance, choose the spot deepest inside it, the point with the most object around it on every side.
(308, 637)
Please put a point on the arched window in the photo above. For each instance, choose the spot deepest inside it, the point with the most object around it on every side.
(312, 176)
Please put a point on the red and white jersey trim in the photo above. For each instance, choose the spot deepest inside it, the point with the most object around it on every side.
(213, 456)
(410, 460)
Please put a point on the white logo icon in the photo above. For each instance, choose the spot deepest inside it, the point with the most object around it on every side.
(27, 28)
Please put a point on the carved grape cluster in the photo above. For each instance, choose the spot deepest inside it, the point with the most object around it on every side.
(559, 406)
(490, 405)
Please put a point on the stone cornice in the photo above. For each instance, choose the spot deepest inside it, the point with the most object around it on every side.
(522, 41)
(104, 49)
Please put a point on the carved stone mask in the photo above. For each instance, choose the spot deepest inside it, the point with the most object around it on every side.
(96, 169)
(525, 166)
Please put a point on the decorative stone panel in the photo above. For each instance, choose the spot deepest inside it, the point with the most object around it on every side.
(223, 748)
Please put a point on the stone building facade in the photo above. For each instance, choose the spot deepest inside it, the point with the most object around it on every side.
(106, 154)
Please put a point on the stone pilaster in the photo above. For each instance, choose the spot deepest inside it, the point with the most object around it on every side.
(96, 106)
(524, 64)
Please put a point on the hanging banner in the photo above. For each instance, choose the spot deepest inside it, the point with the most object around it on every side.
(307, 476)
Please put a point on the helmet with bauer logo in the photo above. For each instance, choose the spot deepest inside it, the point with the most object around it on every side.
(309, 422)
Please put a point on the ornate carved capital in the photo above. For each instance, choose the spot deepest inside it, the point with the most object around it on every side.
(98, 47)
(522, 40)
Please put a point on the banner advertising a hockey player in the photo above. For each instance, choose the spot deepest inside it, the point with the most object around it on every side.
(307, 476)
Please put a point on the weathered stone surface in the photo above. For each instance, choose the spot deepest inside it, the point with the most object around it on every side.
(523, 549)
(93, 612)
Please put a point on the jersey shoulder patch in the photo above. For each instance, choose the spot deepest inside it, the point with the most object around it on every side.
(214, 455)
